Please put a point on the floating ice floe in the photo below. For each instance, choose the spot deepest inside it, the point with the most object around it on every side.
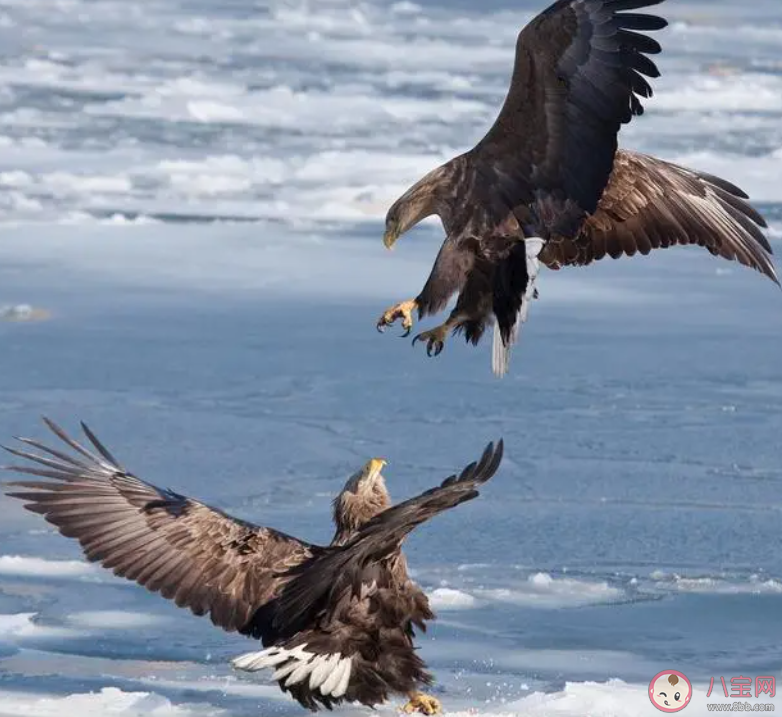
(538, 590)
(23, 312)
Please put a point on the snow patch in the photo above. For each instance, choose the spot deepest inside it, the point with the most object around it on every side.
(40, 567)
(19, 624)
(546, 591)
(449, 599)
(717, 585)
(577, 700)
(538, 590)
(22, 625)
(740, 92)
(109, 701)
(114, 619)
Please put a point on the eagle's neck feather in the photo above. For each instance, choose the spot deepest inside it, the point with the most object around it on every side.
(435, 193)
(352, 510)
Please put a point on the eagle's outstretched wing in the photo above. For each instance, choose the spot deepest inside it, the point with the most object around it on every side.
(322, 579)
(386, 531)
(651, 204)
(578, 76)
(195, 555)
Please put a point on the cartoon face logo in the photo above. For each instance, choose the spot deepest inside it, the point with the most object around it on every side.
(670, 691)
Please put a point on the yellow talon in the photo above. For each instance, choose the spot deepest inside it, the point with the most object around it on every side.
(425, 704)
(434, 338)
(403, 310)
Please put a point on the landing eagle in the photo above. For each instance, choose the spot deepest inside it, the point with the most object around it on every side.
(337, 621)
(548, 185)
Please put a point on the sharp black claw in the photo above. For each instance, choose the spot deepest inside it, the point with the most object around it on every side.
(438, 349)
(429, 349)
(416, 339)
(406, 333)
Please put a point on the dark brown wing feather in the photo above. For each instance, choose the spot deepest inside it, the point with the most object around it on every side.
(652, 204)
(578, 76)
(188, 552)
(386, 531)
(321, 580)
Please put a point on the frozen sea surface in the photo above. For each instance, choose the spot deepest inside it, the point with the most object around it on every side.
(191, 206)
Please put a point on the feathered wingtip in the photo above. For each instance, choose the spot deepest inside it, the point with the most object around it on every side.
(57, 464)
(483, 469)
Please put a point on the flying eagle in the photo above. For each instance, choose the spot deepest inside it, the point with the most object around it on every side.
(337, 621)
(548, 185)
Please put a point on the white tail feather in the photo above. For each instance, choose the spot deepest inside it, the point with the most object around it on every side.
(254, 661)
(342, 687)
(271, 657)
(329, 673)
(500, 351)
(284, 671)
(323, 670)
(303, 669)
(335, 677)
(500, 354)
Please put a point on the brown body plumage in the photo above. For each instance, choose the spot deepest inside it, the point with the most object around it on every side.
(549, 169)
(338, 620)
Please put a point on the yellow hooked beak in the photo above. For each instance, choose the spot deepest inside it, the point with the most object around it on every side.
(375, 466)
(390, 237)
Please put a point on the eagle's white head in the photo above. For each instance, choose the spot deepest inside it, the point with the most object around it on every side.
(362, 498)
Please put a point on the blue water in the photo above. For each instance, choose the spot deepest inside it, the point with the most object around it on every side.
(634, 526)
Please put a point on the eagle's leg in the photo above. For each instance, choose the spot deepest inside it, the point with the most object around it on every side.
(425, 704)
(403, 310)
